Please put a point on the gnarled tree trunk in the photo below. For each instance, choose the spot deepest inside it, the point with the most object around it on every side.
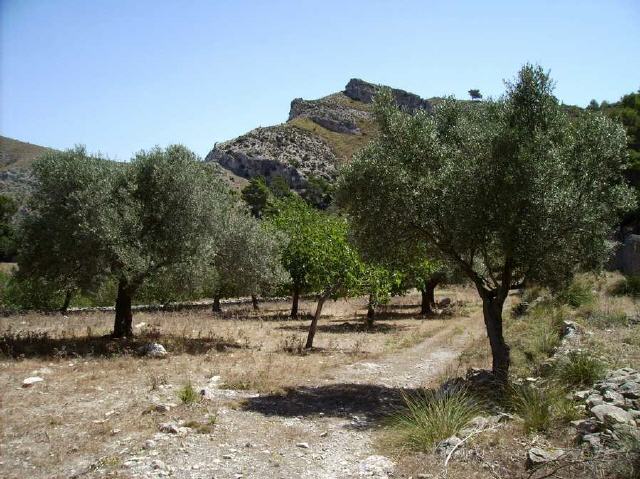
(294, 305)
(428, 294)
(314, 321)
(124, 317)
(492, 305)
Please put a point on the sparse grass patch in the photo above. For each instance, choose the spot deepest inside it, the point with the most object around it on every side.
(606, 319)
(188, 394)
(201, 427)
(535, 337)
(430, 417)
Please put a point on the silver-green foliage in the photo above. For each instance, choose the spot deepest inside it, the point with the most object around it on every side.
(91, 219)
(248, 258)
(506, 190)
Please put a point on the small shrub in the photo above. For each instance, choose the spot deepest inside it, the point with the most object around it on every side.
(187, 394)
(293, 344)
(576, 294)
(579, 368)
(429, 417)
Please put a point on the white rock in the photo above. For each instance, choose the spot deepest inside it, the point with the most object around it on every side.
(153, 350)
(303, 445)
(30, 381)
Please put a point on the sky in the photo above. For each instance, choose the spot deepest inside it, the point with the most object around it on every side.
(119, 76)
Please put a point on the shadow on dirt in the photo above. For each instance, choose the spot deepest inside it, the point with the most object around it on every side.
(347, 327)
(373, 402)
(40, 344)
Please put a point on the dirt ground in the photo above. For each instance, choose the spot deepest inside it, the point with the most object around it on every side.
(268, 411)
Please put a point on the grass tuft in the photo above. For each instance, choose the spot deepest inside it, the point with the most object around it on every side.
(188, 394)
(541, 407)
(579, 368)
(429, 417)
(576, 294)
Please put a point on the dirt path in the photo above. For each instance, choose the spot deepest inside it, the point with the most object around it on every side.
(324, 430)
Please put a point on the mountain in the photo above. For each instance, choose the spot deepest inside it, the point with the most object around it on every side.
(317, 138)
(16, 158)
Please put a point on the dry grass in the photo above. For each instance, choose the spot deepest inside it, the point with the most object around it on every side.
(96, 397)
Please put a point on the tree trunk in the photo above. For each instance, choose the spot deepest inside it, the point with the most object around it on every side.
(371, 312)
(215, 307)
(294, 306)
(67, 300)
(429, 296)
(314, 322)
(492, 311)
(123, 322)
(254, 302)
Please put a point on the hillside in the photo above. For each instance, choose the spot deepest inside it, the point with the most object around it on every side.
(318, 136)
(16, 158)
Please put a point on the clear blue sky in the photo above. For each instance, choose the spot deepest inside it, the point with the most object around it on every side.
(124, 75)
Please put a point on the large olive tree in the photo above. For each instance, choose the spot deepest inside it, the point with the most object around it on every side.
(507, 191)
(90, 219)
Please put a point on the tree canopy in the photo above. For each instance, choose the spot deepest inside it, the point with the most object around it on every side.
(318, 255)
(92, 219)
(507, 191)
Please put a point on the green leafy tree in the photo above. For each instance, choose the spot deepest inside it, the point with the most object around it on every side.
(8, 209)
(256, 195)
(508, 191)
(318, 256)
(475, 94)
(379, 284)
(91, 220)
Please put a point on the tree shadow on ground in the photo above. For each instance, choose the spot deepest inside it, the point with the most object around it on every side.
(348, 327)
(373, 402)
(42, 345)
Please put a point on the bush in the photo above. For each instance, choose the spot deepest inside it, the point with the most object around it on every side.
(576, 294)
(187, 394)
(579, 368)
(429, 417)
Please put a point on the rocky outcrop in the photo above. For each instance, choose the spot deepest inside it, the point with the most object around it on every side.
(613, 407)
(365, 92)
(318, 135)
(286, 151)
(331, 115)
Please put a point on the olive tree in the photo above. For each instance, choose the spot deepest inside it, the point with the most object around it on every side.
(507, 191)
(91, 219)
(318, 256)
(247, 260)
